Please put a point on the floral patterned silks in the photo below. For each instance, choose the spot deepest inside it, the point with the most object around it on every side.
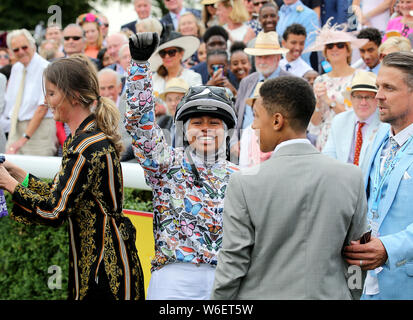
(187, 222)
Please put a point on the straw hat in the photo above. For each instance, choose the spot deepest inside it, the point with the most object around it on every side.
(266, 44)
(189, 44)
(205, 2)
(256, 95)
(177, 85)
(362, 81)
(334, 34)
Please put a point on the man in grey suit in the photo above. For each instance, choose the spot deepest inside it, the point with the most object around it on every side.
(267, 53)
(286, 222)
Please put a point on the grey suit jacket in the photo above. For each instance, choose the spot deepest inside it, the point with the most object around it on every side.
(285, 226)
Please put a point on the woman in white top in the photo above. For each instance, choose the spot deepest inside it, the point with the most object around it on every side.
(374, 13)
(233, 15)
(166, 62)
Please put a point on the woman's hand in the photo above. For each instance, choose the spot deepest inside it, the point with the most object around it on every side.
(320, 91)
(16, 146)
(15, 171)
(7, 182)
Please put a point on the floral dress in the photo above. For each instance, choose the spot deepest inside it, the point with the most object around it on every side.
(335, 90)
(187, 222)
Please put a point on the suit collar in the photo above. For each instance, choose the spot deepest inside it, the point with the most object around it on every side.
(295, 149)
(382, 134)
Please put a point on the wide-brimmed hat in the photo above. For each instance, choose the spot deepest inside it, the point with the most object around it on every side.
(362, 81)
(256, 95)
(266, 44)
(177, 85)
(205, 2)
(189, 44)
(334, 34)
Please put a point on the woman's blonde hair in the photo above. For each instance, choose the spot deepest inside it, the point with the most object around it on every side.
(149, 25)
(201, 28)
(400, 43)
(239, 13)
(77, 78)
(91, 18)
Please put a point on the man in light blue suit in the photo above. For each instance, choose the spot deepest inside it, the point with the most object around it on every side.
(352, 132)
(294, 11)
(389, 254)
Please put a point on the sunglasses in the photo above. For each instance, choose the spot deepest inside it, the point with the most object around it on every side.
(76, 38)
(6, 56)
(339, 45)
(170, 52)
(24, 48)
(106, 25)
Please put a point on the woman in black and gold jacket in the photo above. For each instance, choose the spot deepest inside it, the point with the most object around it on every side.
(87, 191)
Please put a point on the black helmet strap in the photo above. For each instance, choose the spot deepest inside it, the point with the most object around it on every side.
(198, 180)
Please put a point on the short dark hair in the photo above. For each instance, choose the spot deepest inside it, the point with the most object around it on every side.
(403, 61)
(372, 34)
(215, 31)
(269, 4)
(280, 95)
(296, 29)
(237, 46)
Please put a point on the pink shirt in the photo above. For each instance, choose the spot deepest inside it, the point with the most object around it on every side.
(396, 24)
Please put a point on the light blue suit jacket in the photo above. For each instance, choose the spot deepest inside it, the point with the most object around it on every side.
(395, 223)
(340, 138)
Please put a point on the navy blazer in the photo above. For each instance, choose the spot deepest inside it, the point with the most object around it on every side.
(131, 26)
(167, 19)
(335, 8)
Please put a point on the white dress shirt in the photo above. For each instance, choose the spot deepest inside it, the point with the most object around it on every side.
(298, 67)
(33, 94)
(364, 129)
(288, 142)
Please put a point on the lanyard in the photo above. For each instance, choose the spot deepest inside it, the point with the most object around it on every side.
(379, 181)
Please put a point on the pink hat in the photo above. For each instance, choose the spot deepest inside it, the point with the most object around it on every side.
(334, 34)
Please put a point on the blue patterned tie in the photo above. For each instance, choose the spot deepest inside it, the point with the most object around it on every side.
(394, 146)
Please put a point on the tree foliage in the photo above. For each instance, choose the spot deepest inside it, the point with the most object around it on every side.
(16, 14)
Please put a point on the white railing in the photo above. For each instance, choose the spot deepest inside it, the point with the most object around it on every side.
(47, 167)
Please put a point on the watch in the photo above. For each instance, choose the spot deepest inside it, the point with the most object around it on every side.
(333, 104)
(26, 136)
